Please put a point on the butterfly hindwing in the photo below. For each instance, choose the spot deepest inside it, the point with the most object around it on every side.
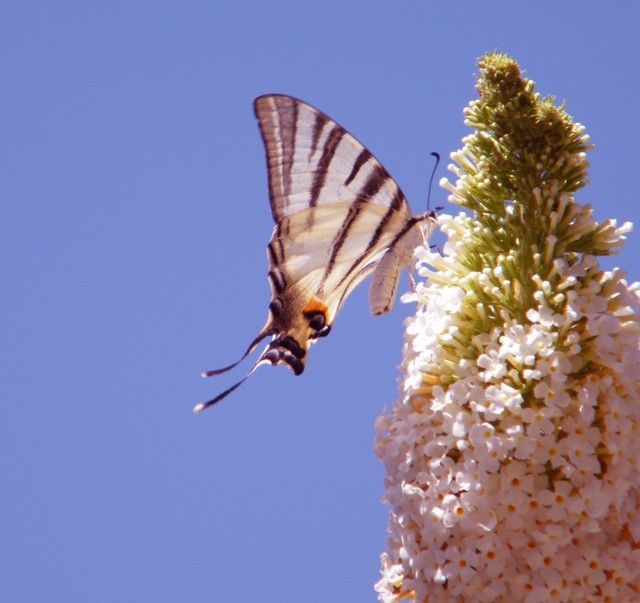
(399, 254)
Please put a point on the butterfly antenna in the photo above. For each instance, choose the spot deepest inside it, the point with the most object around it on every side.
(266, 331)
(433, 173)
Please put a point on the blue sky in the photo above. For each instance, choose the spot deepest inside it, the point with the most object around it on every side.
(136, 216)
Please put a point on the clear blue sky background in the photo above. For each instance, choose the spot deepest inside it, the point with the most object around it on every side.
(135, 218)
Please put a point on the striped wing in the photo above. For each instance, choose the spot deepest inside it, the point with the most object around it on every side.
(325, 261)
(312, 160)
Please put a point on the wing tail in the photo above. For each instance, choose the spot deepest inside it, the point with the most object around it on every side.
(252, 346)
(204, 405)
(283, 350)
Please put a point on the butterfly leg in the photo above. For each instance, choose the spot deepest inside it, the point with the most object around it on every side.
(412, 280)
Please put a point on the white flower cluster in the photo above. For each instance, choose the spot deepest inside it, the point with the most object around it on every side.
(513, 465)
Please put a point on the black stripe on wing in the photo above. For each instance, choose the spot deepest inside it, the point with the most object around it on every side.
(341, 237)
(277, 280)
(319, 122)
(375, 237)
(320, 175)
(375, 181)
(364, 156)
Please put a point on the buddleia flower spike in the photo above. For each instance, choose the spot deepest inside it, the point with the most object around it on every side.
(512, 455)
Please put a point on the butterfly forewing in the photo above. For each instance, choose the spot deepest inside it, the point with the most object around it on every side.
(311, 160)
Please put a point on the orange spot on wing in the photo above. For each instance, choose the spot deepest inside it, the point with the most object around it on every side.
(314, 306)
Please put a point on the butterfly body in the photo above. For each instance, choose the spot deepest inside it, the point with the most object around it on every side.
(339, 217)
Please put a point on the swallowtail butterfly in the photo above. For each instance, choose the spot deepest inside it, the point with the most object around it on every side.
(339, 217)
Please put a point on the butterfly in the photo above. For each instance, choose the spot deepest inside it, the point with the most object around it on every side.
(339, 217)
